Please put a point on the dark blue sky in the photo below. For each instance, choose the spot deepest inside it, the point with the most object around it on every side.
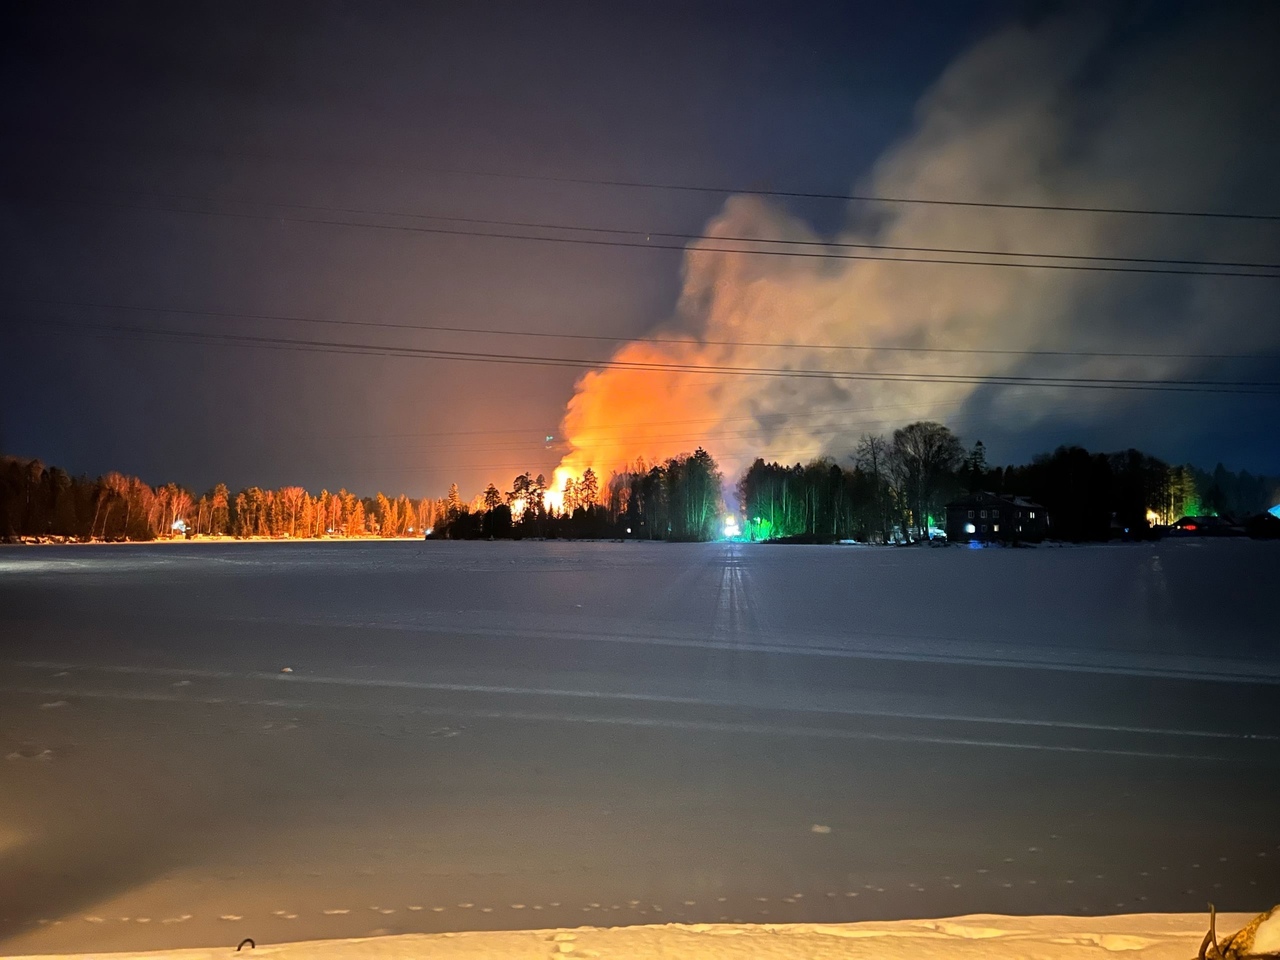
(122, 109)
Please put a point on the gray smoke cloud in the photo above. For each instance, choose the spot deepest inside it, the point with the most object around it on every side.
(1067, 111)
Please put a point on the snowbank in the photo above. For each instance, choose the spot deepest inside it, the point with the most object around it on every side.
(1137, 936)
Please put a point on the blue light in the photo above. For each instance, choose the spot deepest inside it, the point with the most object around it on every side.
(1275, 511)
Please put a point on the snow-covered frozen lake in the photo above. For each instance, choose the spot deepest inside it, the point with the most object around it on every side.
(297, 740)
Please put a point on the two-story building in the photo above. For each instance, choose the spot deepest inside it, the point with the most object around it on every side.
(988, 517)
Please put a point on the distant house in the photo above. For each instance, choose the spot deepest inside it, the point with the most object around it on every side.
(1205, 527)
(986, 517)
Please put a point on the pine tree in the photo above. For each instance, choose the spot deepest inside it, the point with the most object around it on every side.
(492, 497)
(538, 496)
(519, 492)
(588, 488)
(975, 467)
(453, 503)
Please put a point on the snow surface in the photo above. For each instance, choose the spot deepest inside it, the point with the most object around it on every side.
(497, 736)
(1266, 939)
(1140, 937)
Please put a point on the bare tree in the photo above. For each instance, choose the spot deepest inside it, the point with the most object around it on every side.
(872, 458)
(924, 458)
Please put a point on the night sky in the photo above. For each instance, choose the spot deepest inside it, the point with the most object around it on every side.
(168, 157)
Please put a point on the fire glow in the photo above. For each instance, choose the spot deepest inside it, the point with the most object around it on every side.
(737, 310)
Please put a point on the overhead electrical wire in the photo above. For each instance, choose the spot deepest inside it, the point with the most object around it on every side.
(783, 454)
(774, 454)
(880, 198)
(691, 341)
(605, 442)
(760, 418)
(672, 235)
(817, 249)
(660, 185)
(324, 346)
(701, 248)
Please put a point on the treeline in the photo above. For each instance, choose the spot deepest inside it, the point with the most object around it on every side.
(46, 502)
(678, 499)
(897, 488)
(894, 488)
(1235, 494)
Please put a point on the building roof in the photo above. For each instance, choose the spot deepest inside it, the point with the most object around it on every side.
(1191, 523)
(986, 499)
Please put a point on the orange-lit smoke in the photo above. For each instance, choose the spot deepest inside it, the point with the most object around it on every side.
(617, 416)
(1011, 121)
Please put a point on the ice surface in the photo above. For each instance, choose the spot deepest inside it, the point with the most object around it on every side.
(613, 734)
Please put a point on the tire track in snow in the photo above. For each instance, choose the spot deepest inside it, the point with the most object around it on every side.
(1198, 668)
(619, 696)
(703, 726)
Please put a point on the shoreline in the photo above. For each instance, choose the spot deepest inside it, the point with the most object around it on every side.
(20, 542)
(159, 541)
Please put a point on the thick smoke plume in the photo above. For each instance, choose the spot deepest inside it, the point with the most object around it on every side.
(1063, 112)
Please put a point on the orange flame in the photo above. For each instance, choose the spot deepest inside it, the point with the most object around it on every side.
(617, 416)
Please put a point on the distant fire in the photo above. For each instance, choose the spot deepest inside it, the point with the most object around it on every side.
(553, 499)
(755, 312)
(1053, 140)
(617, 415)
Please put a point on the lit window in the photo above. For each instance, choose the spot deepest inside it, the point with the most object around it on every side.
(969, 527)
(984, 514)
(1033, 514)
(995, 528)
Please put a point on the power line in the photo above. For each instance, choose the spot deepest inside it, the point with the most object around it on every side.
(720, 189)
(648, 245)
(324, 346)
(636, 437)
(693, 237)
(762, 344)
(782, 455)
(776, 453)
(640, 424)
(875, 198)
